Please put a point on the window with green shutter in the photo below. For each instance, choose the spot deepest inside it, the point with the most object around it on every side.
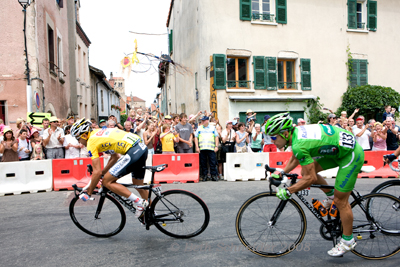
(281, 11)
(352, 14)
(272, 79)
(372, 15)
(359, 72)
(259, 72)
(305, 67)
(245, 9)
(170, 36)
(219, 71)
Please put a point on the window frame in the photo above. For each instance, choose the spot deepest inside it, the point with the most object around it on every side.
(237, 73)
(284, 73)
(51, 50)
(261, 12)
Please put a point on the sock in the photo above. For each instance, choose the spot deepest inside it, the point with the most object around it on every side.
(330, 193)
(135, 199)
(347, 238)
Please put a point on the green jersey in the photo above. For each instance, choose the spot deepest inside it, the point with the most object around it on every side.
(317, 141)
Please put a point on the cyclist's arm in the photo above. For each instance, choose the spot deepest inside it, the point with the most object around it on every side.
(292, 163)
(96, 175)
(309, 178)
(111, 162)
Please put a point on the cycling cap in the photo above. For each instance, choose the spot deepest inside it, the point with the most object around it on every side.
(80, 127)
(279, 123)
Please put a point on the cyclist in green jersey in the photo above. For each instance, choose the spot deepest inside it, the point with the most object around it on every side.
(316, 148)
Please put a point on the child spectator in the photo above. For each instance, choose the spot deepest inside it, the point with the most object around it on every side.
(71, 144)
(168, 138)
(250, 115)
(24, 146)
(37, 152)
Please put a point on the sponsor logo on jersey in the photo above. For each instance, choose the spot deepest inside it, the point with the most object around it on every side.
(348, 176)
(121, 144)
(90, 153)
(328, 150)
(100, 133)
(303, 132)
(328, 129)
(106, 145)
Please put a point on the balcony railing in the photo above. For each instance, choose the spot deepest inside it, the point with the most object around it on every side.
(287, 85)
(238, 84)
(361, 25)
(263, 17)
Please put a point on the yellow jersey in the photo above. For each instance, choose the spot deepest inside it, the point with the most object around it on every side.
(167, 142)
(110, 141)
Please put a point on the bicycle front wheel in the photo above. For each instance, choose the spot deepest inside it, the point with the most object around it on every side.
(270, 227)
(391, 187)
(180, 214)
(101, 217)
(378, 238)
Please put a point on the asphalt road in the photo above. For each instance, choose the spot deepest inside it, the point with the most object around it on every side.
(36, 230)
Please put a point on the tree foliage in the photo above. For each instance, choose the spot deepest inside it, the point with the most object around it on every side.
(313, 111)
(123, 118)
(370, 99)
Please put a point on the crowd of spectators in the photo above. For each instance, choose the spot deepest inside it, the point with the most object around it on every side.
(178, 133)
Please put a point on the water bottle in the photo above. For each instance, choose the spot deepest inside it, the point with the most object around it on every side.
(319, 207)
(333, 211)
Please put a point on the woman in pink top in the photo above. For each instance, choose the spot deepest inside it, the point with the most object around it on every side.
(379, 137)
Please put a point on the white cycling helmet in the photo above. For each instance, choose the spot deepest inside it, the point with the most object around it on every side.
(80, 127)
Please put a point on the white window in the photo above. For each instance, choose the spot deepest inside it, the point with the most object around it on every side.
(361, 14)
(262, 10)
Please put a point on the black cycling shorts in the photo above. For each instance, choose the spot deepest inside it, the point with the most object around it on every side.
(132, 162)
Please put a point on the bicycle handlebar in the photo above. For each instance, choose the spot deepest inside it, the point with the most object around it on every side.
(275, 182)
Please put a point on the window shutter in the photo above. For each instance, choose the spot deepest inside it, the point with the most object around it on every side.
(372, 15)
(170, 36)
(354, 72)
(281, 12)
(305, 65)
(352, 14)
(259, 72)
(219, 62)
(245, 9)
(272, 74)
(363, 72)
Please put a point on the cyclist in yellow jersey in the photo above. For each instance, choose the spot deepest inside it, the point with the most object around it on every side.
(114, 141)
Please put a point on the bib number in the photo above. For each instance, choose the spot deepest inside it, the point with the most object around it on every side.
(347, 140)
(305, 192)
(157, 188)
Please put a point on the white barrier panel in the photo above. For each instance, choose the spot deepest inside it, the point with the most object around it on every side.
(26, 176)
(127, 179)
(245, 166)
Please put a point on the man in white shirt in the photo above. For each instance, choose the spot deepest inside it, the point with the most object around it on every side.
(71, 144)
(53, 140)
(24, 146)
(361, 134)
(45, 123)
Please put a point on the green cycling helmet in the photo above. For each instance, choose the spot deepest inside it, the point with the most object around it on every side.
(279, 123)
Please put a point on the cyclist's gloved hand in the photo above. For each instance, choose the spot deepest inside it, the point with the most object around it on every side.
(390, 157)
(283, 193)
(84, 196)
(277, 174)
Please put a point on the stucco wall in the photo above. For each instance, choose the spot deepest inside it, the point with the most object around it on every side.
(315, 29)
(82, 74)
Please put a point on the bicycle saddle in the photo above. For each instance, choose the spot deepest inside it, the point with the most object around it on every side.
(158, 168)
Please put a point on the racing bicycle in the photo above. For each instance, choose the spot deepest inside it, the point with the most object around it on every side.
(270, 227)
(177, 213)
(391, 187)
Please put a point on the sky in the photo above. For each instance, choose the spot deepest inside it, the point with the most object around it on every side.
(108, 25)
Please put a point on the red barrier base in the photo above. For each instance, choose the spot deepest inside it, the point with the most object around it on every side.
(384, 172)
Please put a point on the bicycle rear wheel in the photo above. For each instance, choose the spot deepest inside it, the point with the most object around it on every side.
(378, 238)
(180, 214)
(102, 217)
(391, 187)
(260, 235)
